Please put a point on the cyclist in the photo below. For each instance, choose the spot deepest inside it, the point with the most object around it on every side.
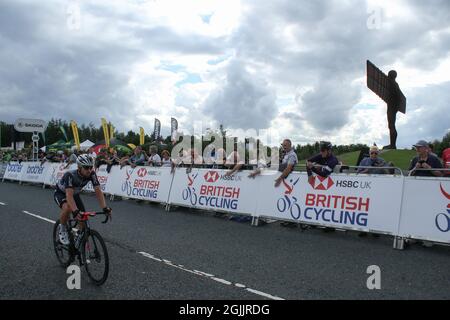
(67, 194)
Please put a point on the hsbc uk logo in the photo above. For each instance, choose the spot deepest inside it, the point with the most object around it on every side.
(142, 172)
(325, 183)
(320, 183)
(442, 220)
(213, 176)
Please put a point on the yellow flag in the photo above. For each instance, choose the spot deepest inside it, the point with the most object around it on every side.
(105, 131)
(142, 136)
(76, 138)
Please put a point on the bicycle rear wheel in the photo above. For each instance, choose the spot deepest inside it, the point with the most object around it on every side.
(63, 252)
(95, 257)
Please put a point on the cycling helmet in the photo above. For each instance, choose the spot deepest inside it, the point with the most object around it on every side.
(325, 145)
(85, 160)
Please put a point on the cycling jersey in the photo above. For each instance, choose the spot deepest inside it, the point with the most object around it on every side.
(72, 179)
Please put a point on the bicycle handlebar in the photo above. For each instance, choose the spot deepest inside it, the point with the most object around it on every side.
(83, 216)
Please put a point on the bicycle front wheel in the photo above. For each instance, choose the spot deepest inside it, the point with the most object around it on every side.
(95, 257)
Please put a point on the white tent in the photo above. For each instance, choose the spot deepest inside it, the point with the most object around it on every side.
(85, 145)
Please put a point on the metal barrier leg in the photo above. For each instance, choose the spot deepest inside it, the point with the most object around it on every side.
(111, 197)
(399, 243)
(167, 207)
(255, 221)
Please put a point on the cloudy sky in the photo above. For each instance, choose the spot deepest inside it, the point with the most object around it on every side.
(294, 67)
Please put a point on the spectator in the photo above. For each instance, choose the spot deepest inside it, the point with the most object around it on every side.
(112, 159)
(322, 164)
(101, 158)
(288, 162)
(424, 161)
(166, 160)
(137, 159)
(373, 161)
(154, 159)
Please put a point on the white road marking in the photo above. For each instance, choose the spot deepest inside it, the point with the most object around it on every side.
(39, 217)
(210, 276)
(264, 294)
(180, 267)
(2, 204)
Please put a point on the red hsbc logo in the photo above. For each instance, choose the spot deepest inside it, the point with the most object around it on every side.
(320, 183)
(211, 176)
(142, 172)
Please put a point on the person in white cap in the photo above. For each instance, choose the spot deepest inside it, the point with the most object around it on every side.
(373, 161)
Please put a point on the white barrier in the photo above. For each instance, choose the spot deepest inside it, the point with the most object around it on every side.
(14, 171)
(425, 211)
(408, 207)
(354, 202)
(210, 189)
(143, 183)
(34, 172)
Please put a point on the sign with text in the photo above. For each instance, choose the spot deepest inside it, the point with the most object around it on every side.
(213, 190)
(366, 203)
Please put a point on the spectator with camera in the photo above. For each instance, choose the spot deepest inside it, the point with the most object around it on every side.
(373, 161)
(424, 161)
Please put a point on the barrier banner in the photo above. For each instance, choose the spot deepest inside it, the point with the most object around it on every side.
(3, 169)
(425, 211)
(102, 176)
(14, 171)
(34, 172)
(143, 183)
(366, 203)
(55, 172)
(211, 189)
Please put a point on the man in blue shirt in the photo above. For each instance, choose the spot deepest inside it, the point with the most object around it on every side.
(424, 161)
(322, 164)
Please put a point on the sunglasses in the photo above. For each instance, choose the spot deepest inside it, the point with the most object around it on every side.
(374, 153)
(88, 168)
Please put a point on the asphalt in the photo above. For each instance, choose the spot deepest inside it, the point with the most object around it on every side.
(194, 255)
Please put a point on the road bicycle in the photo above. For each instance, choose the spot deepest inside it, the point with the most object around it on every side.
(86, 245)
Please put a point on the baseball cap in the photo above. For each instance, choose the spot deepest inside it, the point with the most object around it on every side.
(421, 143)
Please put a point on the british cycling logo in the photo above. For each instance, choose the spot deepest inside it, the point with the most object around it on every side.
(189, 192)
(320, 183)
(442, 220)
(288, 202)
(213, 196)
(139, 187)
